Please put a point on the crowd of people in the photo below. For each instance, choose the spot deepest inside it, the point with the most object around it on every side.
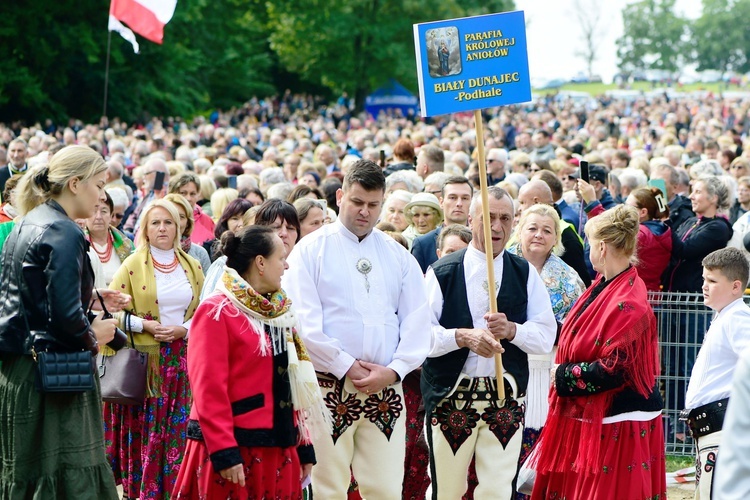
(310, 290)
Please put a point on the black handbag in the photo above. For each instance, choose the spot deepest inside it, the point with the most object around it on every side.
(63, 371)
(123, 376)
(57, 370)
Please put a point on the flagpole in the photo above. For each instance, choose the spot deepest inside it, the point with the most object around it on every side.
(106, 72)
(479, 129)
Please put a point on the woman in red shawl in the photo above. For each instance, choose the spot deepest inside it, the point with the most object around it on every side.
(603, 437)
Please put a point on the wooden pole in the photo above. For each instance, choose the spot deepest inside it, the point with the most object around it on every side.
(106, 74)
(479, 129)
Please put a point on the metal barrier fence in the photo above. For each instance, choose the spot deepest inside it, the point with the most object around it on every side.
(682, 321)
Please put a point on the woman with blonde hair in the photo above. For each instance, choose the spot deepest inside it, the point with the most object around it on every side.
(219, 201)
(538, 239)
(520, 162)
(207, 189)
(604, 437)
(175, 168)
(51, 444)
(144, 442)
(187, 226)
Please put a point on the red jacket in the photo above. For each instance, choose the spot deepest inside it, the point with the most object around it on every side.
(654, 252)
(654, 249)
(240, 398)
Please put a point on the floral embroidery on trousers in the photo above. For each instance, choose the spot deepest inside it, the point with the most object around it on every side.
(384, 411)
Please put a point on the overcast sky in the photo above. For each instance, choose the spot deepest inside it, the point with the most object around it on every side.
(553, 38)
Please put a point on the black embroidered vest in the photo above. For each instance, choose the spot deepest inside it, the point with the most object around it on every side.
(440, 374)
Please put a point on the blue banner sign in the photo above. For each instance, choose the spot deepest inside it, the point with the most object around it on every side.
(472, 63)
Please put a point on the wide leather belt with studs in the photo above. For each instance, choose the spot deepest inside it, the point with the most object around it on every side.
(480, 389)
(705, 419)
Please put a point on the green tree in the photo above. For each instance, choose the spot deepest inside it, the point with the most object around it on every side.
(355, 45)
(720, 43)
(654, 37)
(215, 53)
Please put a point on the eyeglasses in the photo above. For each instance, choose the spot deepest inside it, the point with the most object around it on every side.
(118, 216)
(434, 192)
(569, 178)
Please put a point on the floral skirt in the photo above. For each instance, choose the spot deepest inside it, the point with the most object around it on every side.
(416, 479)
(145, 443)
(51, 444)
(530, 437)
(632, 467)
(270, 473)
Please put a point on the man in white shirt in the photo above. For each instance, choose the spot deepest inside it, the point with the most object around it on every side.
(725, 276)
(361, 300)
(733, 477)
(459, 386)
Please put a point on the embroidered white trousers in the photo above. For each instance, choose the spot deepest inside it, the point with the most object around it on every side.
(465, 425)
(368, 440)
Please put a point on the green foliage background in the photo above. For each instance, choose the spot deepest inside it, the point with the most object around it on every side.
(216, 53)
(656, 37)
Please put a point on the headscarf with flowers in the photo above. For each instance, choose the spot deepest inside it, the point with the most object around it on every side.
(276, 325)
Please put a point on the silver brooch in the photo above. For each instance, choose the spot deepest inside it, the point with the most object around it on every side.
(364, 266)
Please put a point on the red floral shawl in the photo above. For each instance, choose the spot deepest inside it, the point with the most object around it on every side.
(617, 329)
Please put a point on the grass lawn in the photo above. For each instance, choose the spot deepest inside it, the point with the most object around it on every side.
(675, 462)
(596, 89)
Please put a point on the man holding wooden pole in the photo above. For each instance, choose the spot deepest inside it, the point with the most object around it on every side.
(484, 301)
(468, 414)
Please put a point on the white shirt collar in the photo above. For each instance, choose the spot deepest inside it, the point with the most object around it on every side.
(736, 303)
(477, 256)
(348, 234)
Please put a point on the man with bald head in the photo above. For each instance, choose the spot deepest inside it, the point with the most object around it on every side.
(463, 415)
(536, 191)
(151, 168)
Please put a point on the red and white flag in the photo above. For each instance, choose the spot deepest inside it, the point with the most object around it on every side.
(145, 17)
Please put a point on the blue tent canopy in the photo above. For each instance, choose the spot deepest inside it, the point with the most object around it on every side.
(391, 96)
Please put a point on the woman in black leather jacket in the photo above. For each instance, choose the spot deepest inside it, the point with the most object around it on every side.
(52, 444)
